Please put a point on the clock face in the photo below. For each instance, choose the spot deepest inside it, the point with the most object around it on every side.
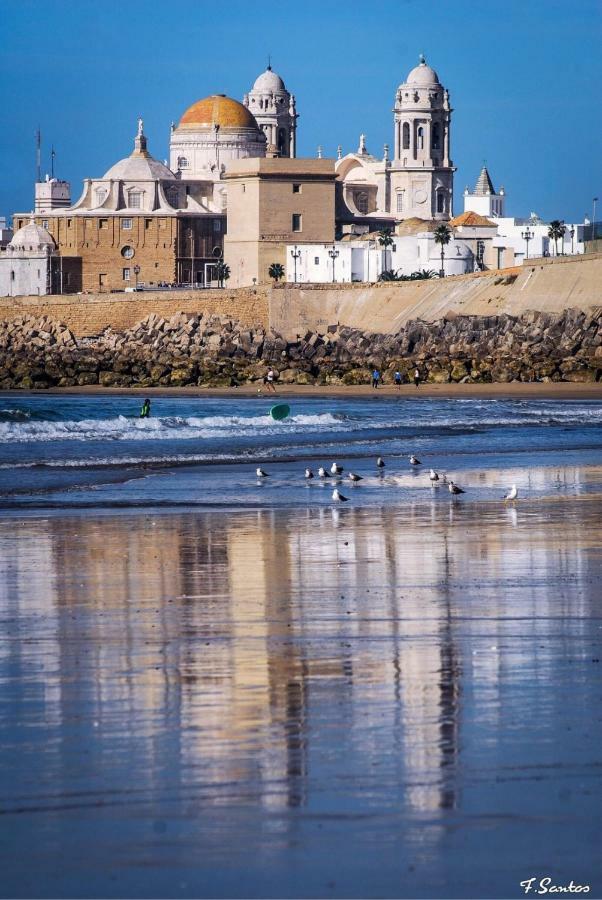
(127, 252)
(419, 196)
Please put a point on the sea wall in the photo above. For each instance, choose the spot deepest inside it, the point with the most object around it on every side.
(87, 315)
(217, 351)
(550, 285)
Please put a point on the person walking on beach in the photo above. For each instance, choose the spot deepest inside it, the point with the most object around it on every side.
(397, 379)
(416, 377)
(145, 411)
(375, 378)
(269, 380)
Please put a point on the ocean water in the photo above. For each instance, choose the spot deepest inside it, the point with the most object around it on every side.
(215, 686)
(94, 451)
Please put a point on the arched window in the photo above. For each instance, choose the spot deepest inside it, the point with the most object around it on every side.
(361, 202)
(281, 141)
(420, 138)
(101, 195)
(436, 137)
(440, 202)
(406, 136)
(182, 162)
(400, 201)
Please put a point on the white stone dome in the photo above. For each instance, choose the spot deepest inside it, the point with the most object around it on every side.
(422, 75)
(140, 166)
(32, 238)
(269, 81)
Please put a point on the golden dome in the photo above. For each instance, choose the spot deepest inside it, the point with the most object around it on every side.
(218, 110)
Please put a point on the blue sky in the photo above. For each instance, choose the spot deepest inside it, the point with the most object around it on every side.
(524, 76)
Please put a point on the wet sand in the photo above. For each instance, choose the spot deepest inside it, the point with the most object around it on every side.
(365, 702)
(527, 390)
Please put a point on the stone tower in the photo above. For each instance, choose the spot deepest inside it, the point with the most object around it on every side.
(274, 109)
(421, 182)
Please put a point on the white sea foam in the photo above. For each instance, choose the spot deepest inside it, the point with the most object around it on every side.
(121, 428)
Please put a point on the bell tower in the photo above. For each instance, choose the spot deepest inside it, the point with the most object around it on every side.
(422, 169)
(275, 110)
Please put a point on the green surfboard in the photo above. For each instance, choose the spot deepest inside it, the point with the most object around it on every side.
(280, 411)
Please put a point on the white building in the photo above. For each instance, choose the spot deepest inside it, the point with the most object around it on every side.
(29, 265)
(484, 200)
(51, 194)
(363, 259)
(525, 237)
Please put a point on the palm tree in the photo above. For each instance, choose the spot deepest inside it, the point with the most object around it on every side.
(556, 232)
(442, 236)
(423, 274)
(391, 275)
(223, 272)
(276, 271)
(385, 240)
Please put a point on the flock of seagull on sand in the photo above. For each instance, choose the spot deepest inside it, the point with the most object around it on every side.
(336, 471)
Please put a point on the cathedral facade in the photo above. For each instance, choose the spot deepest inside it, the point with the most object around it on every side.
(416, 179)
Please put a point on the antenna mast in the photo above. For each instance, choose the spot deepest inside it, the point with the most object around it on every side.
(38, 155)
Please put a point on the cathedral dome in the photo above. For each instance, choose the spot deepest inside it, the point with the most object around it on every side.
(140, 166)
(269, 81)
(422, 75)
(218, 110)
(32, 237)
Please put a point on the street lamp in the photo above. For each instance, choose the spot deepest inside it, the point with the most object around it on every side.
(527, 236)
(594, 201)
(333, 255)
(296, 254)
(136, 273)
(572, 234)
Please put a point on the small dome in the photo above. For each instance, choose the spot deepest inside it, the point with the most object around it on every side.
(422, 75)
(139, 168)
(269, 81)
(140, 165)
(32, 237)
(218, 110)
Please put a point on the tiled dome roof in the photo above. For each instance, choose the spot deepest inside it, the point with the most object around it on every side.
(218, 110)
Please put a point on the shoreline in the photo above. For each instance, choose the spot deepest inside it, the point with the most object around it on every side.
(560, 390)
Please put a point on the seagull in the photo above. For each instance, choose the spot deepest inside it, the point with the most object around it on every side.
(353, 477)
(380, 462)
(434, 476)
(309, 473)
(454, 489)
(414, 461)
(512, 493)
(323, 473)
(260, 473)
(336, 495)
(336, 469)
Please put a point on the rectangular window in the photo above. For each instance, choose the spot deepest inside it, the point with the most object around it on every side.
(69, 221)
(135, 200)
(126, 274)
(316, 260)
(126, 223)
(400, 202)
(148, 223)
(217, 225)
(296, 189)
(103, 223)
(244, 188)
(45, 224)
(297, 222)
(440, 203)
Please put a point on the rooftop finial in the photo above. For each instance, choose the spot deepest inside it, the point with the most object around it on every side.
(269, 62)
(362, 146)
(319, 151)
(422, 59)
(140, 139)
(140, 126)
(339, 152)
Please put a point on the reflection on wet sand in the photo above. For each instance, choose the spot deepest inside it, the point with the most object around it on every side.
(247, 675)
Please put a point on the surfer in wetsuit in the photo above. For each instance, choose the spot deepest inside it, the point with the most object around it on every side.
(145, 411)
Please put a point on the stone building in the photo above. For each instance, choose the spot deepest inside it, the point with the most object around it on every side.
(275, 111)
(138, 224)
(418, 179)
(271, 203)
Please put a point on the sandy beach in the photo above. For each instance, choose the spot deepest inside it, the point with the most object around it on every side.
(529, 390)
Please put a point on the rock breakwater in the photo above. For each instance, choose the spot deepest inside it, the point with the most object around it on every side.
(215, 351)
